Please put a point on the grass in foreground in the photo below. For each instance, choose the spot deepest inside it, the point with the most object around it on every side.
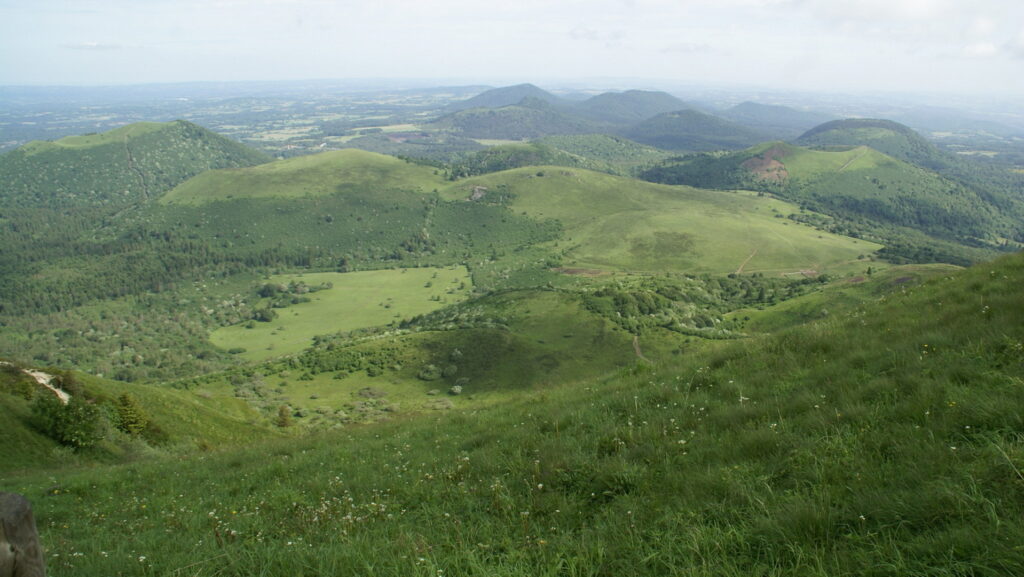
(886, 442)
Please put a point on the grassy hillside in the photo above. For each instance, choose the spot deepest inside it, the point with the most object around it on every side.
(432, 147)
(491, 348)
(886, 136)
(875, 195)
(604, 153)
(997, 185)
(614, 223)
(475, 354)
(878, 442)
(125, 165)
(305, 176)
(141, 279)
(617, 155)
(60, 226)
(692, 130)
(508, 156)
(178, 422)
(875, 281)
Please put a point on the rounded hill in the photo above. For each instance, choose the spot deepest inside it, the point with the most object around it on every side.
(892, 138)
(131, 163)
(304, 176)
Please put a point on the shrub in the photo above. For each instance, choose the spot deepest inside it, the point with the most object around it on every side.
(76, 424)
(15, 382)
(284, 417)
(429, 373)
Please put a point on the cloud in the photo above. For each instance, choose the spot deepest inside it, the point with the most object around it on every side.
(982, 27)
(1016, 46)
(878, 10)
(688, 48)
(609, 38)
(101, 46)
(981, 50)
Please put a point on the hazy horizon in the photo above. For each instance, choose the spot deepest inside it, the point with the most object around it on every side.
(892, 46)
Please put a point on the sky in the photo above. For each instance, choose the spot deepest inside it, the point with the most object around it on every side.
(971, 47)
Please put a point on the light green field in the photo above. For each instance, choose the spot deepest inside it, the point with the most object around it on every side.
(357, 300)
(304, 176)
(614, 223)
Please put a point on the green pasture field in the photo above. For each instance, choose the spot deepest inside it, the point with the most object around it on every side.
(357, 300)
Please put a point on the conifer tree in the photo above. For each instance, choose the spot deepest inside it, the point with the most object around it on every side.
(131, 417)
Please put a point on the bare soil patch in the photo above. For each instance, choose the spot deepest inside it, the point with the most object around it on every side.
(767, 166)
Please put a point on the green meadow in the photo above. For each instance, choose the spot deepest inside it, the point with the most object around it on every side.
(615, 223)
(356, 300)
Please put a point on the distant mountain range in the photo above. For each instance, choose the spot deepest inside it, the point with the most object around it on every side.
(782, 122)
(649, 117)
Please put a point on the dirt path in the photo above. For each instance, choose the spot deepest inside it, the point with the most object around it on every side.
(744, 263)
(636, 349)
(45, 379)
